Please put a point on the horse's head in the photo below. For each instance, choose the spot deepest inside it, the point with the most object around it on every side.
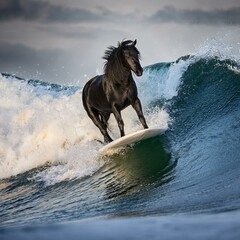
(132, 55)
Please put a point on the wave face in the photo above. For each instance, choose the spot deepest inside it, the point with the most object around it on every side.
(49, 152)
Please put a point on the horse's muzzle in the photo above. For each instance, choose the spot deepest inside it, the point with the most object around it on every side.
(139, 72)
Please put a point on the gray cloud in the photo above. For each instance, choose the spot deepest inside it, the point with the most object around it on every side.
(43, 11)
(78, 32)
(49, 65)
(170, 14)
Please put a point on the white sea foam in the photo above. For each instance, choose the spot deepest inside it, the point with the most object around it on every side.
(219, 47)
(36, 129)
(162, 83)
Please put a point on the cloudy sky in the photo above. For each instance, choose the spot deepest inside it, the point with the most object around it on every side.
(63, 41)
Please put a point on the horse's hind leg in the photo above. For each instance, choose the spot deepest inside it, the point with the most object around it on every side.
(104, 118)
(117, 115)
(94, 115)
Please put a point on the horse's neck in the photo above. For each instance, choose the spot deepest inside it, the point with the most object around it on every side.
(124, 78)
(120, 76)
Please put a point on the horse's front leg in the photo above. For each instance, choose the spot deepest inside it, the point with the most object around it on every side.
(117, 115)
(138, 108)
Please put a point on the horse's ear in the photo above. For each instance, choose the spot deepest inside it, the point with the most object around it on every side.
(135, 42)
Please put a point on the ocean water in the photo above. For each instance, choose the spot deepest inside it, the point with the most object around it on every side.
(182, 184)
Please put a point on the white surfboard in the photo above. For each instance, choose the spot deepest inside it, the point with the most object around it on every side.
(130, 139)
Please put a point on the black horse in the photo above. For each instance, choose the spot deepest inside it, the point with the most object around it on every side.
(116, 89)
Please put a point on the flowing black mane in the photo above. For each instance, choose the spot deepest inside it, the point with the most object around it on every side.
(112, 50)
(109, 53)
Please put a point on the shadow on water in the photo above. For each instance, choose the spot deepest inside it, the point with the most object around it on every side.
(144, 165)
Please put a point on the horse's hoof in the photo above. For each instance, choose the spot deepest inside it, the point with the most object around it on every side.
(107, 140)
(99, 141)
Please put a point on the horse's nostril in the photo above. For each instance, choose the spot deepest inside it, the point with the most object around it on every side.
(139, 73)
